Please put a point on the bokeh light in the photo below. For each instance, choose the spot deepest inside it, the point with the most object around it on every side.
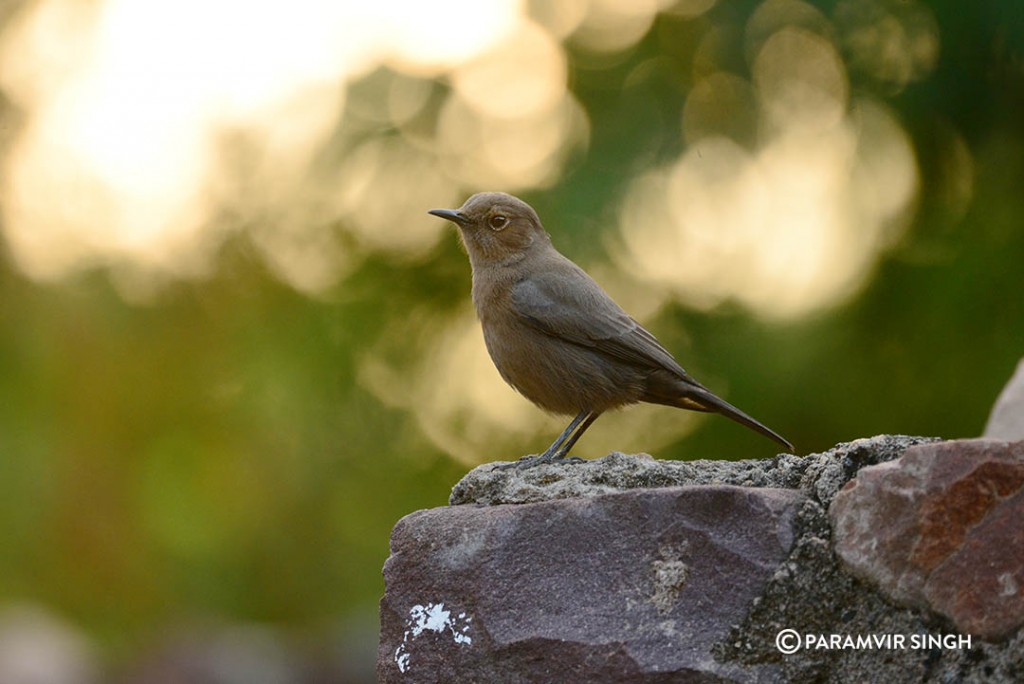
(235, 349)
(797, 222)
(895, 43)
(128, 106)
(149, 147)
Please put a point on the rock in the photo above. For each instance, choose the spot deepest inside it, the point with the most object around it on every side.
(471, 550)
(633, 586)
(1007, 418)
(940, 529)
(820, 475)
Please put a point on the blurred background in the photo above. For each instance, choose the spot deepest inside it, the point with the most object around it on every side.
(235, 350)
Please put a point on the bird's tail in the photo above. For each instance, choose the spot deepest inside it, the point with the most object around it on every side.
(707, 401)
(687, 393)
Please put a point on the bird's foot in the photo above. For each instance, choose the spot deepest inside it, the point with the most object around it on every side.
(524, 462)
(554, 458)
(568, 460)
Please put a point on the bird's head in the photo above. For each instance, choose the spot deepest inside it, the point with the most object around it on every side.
(496, 227)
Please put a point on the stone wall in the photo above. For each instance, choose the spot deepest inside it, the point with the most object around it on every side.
(629, 569)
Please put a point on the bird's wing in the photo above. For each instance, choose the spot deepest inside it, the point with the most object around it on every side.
(570, 305)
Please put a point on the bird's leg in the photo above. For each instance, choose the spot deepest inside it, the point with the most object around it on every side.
(559, 451)
(563, 451)
(556, 450)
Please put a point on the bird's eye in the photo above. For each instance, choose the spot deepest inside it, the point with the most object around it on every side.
(498, 222)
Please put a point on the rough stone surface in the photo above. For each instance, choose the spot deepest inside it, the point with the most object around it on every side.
(820, 475)
(808, 591)
(635, 586)
(1007, 418)
(942, 529)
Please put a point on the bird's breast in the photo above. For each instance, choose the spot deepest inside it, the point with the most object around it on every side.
(556, 375)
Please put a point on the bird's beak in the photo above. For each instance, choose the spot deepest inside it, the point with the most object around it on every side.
(452, 215)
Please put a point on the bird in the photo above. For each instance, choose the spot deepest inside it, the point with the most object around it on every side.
(557, 337)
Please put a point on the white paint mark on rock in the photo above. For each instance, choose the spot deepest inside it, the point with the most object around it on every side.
(435, 618)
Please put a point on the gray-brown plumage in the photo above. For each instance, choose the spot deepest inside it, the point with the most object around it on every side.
(556, 336)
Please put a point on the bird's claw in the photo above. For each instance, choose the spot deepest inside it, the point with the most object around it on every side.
(540, 459)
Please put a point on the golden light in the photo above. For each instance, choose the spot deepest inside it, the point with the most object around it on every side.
(894, 42)
(154, 131)
(795, 223)
(511, 121)
(464, 407)
(128, 106)
(613, 25)
(460, 402)
(801, 81)
(482, 152)
(561, 18)
(519, 76)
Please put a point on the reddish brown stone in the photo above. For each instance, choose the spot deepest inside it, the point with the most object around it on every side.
(983, 583)
(940, 529)
(948, 516)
